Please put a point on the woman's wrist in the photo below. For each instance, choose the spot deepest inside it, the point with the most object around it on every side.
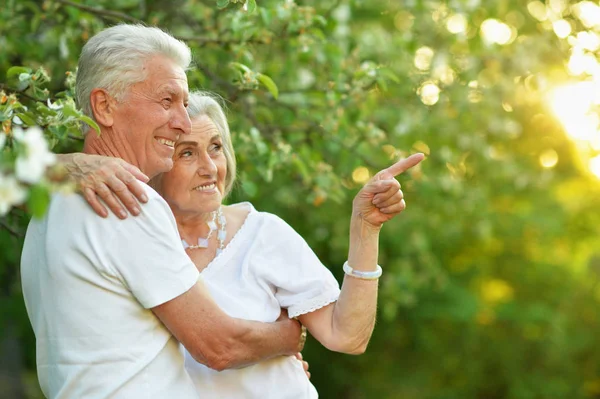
(359, 225)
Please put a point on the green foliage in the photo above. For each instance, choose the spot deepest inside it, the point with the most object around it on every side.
(490, 286)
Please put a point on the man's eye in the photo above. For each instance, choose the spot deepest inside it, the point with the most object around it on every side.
(185, 154)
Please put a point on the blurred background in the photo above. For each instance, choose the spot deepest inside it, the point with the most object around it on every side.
(490, 285)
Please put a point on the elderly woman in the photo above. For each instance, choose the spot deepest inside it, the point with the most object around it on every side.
(254, 264)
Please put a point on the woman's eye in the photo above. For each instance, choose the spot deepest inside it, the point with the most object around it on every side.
(217, 147)
(185, 154)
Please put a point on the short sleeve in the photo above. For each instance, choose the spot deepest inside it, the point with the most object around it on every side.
(303, 284)
(146, 254)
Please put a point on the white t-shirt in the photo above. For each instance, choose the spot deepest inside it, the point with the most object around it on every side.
(89, 284)
(265, 267)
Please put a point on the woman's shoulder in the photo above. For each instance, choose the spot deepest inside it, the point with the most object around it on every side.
(244, 210)
(239, 211)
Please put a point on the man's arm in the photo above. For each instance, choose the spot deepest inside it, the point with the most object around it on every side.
(222, 342)
(111, 179)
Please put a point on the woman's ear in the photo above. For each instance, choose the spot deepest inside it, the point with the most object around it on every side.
(102, 107)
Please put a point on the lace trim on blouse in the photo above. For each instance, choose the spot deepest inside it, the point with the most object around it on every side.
(313, 304)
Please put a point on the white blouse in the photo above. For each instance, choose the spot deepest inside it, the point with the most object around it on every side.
(265, 267)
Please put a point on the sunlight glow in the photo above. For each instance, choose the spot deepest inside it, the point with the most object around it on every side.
(586, 40)
(588, 13)
(595, 165)
(572, 104)
(581, 63)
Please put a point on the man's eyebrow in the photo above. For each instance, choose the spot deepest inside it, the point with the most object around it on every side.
(170, 91)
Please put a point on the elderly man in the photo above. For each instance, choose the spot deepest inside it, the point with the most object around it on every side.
(109, 299)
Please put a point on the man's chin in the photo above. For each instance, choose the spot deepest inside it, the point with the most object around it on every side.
(163, 166)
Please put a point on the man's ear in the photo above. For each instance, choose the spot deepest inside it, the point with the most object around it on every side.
(102, 107)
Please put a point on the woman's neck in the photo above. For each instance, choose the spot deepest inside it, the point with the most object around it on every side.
(192, 226)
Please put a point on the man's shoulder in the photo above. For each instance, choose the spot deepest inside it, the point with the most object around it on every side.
(72, 209)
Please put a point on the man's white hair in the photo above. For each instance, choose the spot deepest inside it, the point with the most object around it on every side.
(114, 58)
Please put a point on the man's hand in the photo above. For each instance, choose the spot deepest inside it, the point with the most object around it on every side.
(381, 198)
(297, 330)
(111, 179)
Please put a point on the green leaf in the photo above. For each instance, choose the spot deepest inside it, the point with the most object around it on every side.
(17, 70)
(28, 119)
(250, 188)
(90, 122)
(222, 3)
(239, 67)
(38, 201)
(301, 166)
(251, 5)
(388, 74)
(269, 84)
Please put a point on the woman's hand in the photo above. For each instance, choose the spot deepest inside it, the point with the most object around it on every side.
(304, 364)
(111, 179)
(381, 198)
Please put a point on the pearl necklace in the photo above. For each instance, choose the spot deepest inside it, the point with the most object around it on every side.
(219, 222)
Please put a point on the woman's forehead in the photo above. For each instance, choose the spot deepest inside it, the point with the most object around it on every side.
(203, 129)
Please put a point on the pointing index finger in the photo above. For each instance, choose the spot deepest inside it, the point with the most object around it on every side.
(404, 164)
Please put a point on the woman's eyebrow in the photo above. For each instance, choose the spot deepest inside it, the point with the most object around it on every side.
(194, 143)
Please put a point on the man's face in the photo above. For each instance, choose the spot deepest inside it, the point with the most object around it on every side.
(152, 115)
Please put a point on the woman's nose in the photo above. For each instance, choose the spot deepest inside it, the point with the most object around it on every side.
(206, 166)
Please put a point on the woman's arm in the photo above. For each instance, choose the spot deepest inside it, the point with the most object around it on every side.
(346, 325)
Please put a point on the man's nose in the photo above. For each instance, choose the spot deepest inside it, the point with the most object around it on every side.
(181, 120)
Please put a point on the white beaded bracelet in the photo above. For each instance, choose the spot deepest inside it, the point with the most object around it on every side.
(374, 275)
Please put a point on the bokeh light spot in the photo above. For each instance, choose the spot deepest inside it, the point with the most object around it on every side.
(361, 175)
(562, 28)
(548, 158)
(494, 31)
(429, 93)
(456, 24)
(423, 58)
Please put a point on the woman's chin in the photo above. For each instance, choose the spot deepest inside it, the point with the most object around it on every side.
(206, 202)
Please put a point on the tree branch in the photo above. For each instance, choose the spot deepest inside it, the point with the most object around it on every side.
(4, 87)
(10, 229)
(102, 12)
(214, 40)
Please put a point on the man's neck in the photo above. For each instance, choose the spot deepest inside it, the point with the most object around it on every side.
(110, 144)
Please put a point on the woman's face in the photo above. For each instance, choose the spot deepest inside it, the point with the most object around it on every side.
(197, 181)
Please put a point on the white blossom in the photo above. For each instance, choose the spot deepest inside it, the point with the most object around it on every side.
(31, 165)
(11, 193)
(2, 140)
(54, 106)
